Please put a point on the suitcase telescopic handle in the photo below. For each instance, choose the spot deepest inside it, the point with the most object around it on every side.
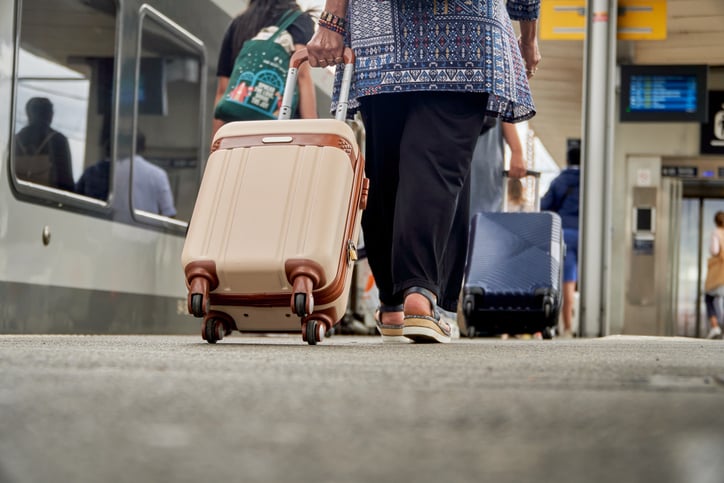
(536, 177)
(298, 58)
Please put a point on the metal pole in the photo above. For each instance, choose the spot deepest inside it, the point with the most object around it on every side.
(597, 141)
(699, 261)
(608, 168)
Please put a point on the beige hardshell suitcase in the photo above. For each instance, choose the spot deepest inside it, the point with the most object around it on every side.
(273, 235)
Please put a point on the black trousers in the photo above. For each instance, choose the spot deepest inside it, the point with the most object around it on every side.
(419, 146)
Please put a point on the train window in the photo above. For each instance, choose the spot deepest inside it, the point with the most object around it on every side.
(169, 125)
(58, 104)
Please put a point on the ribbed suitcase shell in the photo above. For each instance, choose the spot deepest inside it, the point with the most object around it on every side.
(513, 272)
(275, 191)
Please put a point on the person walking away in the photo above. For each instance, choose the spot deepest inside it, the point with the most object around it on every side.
(261, 14)
(714, 282)
(562, 197)
(423, 109)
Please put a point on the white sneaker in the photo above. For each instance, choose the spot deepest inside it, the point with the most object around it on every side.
(714, 333)
(452, 320)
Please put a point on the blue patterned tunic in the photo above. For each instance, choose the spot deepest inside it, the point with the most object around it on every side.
(447, 45)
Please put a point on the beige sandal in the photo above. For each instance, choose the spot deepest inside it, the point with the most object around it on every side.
(390, 332)
(426, 328)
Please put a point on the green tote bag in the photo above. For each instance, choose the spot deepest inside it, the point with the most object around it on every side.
(256, 85)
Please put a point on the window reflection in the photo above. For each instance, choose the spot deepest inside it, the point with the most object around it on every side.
(56, 121)
(64, 116)
(165, 167)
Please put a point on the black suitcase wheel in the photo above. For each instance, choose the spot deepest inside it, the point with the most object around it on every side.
(315, 331)
(197, 305)
(303, 305)
(213, 330)
(300, 302)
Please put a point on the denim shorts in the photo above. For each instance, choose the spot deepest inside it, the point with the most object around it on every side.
(570, 264)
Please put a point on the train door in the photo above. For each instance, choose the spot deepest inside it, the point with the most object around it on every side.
(702, 199)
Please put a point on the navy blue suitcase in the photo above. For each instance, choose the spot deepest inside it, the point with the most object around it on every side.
(513, 275)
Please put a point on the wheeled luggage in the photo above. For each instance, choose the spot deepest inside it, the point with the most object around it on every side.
(513, 275)
(272, 239)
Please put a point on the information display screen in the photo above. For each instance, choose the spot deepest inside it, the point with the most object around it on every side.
(663, 93)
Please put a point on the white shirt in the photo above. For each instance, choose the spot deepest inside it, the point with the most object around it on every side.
(151, 187)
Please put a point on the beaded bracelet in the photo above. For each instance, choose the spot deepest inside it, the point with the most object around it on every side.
(330, 26)
(336, 20)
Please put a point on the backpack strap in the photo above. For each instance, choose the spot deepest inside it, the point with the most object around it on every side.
(287, 19)
(21, 145)
(45, 141)
(50, 136)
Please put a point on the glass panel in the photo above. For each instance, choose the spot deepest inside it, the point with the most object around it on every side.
(59, 89)
(166, 163)
(688, 273)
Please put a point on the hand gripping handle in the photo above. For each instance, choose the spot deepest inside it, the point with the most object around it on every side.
(536, 177)
(301, 56)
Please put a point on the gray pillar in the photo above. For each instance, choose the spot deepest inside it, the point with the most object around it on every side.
(596, 164)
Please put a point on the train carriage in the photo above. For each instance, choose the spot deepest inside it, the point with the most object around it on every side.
(84, 246)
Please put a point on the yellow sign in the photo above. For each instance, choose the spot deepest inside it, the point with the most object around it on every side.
(637, 20)
(641, 20)
(562, 19)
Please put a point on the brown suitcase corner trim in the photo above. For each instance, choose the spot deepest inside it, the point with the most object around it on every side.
(205, 269)
(296, 267)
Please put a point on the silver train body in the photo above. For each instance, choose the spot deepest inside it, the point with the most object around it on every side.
(103, 261)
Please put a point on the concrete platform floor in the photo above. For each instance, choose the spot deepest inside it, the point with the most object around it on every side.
(272, 409)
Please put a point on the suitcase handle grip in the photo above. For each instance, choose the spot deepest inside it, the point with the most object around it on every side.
(298, 58)
(535, 175)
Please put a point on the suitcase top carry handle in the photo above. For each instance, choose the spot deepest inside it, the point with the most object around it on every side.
(536, 177)
(301, 56)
